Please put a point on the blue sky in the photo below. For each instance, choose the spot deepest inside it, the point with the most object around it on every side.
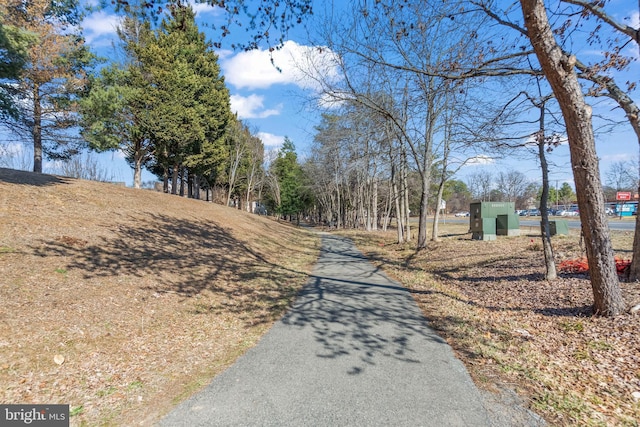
(276, 103)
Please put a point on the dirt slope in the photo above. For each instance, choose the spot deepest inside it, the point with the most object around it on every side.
(121, 302)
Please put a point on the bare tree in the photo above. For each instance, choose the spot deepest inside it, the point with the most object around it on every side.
(612, 43)
(15, 156)
(542, 141)
(623, 175)
(253, 171)
(414, 102)
(238, 138)
(84, 166)
(559, 68)
(480, 184)
(351, 144)
(511, 184)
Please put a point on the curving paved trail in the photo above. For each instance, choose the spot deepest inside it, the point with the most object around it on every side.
(354, 350)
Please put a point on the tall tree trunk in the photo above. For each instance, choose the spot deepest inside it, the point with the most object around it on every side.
(190, 185)
(231, 186)
(559, 70)
(400, 218)
(396, 199)
(137, 165)
(388, 206)
(551, 273)
(37, 129)
(182, 179)
(633, 115)
(405, 197)
(174, 179)
(436, 218)
(374, 205)
(165, 179)
(250, 188)
(338, 203)
(366, 204)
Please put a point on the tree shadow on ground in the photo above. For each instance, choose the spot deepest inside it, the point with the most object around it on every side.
(578, 311)
(14, 176)
(187, 258)
(460, 236)
(496, 271)
(355, 311)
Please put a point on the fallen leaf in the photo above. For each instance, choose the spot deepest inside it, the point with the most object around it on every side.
(522, 332)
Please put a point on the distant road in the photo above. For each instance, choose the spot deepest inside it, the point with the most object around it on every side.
(614, 223)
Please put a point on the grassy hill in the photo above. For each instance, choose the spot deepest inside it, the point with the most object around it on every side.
(121, 302)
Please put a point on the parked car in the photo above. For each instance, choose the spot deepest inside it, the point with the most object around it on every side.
(464, 213)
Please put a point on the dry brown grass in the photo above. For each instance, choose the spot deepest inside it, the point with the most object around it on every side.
(512, 328)
(144, 296)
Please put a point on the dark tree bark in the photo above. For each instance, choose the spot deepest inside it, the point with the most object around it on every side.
(633, 115)
(634, 268)
(560, 72)
(36, 131)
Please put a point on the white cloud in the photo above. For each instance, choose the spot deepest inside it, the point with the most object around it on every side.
(614, 158)
(224, 54)
(271, 141)
(299, 65)
(252, 107)
(100, 24)
(203, 8)
(481, 160)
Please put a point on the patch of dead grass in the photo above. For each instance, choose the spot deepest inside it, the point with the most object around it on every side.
(146, 296)
(513, 328)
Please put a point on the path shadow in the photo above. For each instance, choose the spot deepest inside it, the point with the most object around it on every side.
(353, 310)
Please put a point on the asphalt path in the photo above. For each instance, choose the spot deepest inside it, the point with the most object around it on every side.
(354, 350)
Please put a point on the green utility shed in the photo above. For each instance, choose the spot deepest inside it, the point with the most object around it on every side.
(558, 226)
(491, 219)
